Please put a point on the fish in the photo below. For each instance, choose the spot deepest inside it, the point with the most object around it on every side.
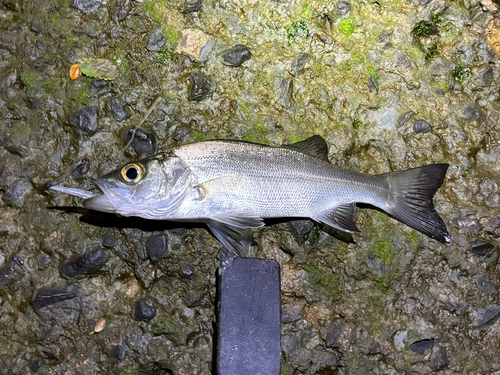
(232, 186)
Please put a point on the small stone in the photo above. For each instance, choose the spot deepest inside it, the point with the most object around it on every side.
(486, 317)
(439, 359)
(156, 246)
(326, 39)
(42, 261)
(421, 346)
(201, 87)
(122, 9)
(372, 84)
(180, 133)
(384, 35)
(16, 194)
(85, 120)
(283, 91)
(333, 337)
(485, 286)
(87, 6)
(485, 77)
(117, 109)
(300, 228)
(343, 7)
(36, 28)
(192, 7)
(7, 272)
(81, 168)
(118, 352)
(291, 314)
(421, 126)
(403, 120)
(469, 225)
(193, 298)
(386, 118)
(187, 271)
(97, 85)
(33, 103)
(108, 241)
(50, 296)
(481, 248)
(143, 311)
(195, 44)
(423, 3)
(471, 112)
(143, 141)
(35, 366)
(299, 63)
(236, 55)
(156, 40)
(85, 264)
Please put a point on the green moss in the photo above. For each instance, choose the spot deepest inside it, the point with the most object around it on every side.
(347, 26)
(298, 29)
(424, 29)
(460, 73)
(77, 92)
(164, 325)
(373, 72)
(437, 19)
(173, 34)
(165, 56)
(383, 250)
(322, 281)
(31, 79)
(359, 57)
(313, 235)
(198, 136)
(356, 123)
(258, 134)
(412, 237)
(382, 283)
(432, 52)
(287, 369)
(306, 11)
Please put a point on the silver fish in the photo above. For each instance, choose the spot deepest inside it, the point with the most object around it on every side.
(232, 186)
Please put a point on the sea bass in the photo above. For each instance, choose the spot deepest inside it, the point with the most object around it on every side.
(233, 185)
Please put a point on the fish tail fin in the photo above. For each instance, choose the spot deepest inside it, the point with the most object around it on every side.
(411, 196)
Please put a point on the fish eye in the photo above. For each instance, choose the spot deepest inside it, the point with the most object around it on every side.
(132, 173)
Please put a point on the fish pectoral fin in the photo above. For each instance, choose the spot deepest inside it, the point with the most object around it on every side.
(236, 240)
(314, 146)
(340, 217)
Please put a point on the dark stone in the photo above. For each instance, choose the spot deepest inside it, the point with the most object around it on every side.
(372, 84)
(156, 246)
(193, 298)
(481, 248)
(156, 40)
(384, 35)
(299, 63)
(118, 352)
(85, 264)
(283, 91)
(236, 55)
(187, 271)
(439, 359)
(469, 225)
(300, 228)
(325, 39)
(42, 261)
(85, 120)
(423, 3)
(50, 296)
(485, 77)
(333, 337)
(81, 168)
(486, 317)
(180, 133)
(421, 126)
(403, 120)
(471, 112)
(33, 103)
(122, 9)
(421, 346)
(201, 87)
(7, 272)
(430, 318)
(374, 348)
(108, 241)
(143, 141)
(16, 194)
(36, 28)
(143, 311)
(192, 7)
(87, 6)
(343, 7)
(117, 109)
(291, 314)
(485, 286)
(97, 85)
(35, 366)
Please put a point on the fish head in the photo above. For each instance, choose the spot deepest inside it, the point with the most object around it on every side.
(151, 188)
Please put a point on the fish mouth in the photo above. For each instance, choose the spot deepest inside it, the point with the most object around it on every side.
(106, 202)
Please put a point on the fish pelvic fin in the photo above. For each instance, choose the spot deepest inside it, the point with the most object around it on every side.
(236, 241)
(340, 217)
(410, 199)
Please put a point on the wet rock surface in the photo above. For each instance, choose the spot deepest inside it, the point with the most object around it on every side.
(369, 304)
(85, 264)
(236, 55)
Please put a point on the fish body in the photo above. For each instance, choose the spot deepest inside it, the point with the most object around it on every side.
(232, 186)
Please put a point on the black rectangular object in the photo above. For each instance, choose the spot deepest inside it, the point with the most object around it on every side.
(248, 326)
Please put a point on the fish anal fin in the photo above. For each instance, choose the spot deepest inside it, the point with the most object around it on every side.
(340, 217)
(236, 240)
(314, 146)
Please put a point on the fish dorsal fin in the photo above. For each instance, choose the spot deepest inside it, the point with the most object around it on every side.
(314, 146)
(340, 217)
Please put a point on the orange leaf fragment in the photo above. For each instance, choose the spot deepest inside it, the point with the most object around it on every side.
(75, 72)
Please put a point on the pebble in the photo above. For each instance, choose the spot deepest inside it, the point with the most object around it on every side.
(193, 298)
(439, 359)
(333, 336)
(108, 241)
(97, 85)
(236, 55)
(421, 346)
(195, 44)
(156, 40)
(117, 109)
(485, 76)
(50, 296)
(16, 194)
(481, 248)
(35, 366)
(85, 264)
(81, 168)
(85, 120)
(42, 262)
(424, 2)
(403, 120)
(156, 247)
(192, 7)
(187, 271)
(343, 7)
(143, 142)
(99, 326)
(291, 314)
(33, 103)
(143, 311)
(122, 9)
(180, 133)
(469, 225)
(201, 86)
(386, 118)
(118, 352)
(471, 112)
(299, 63)
(7, 272)
(485, 286)
(283, 91)
(87, 6)
(486, 317)
(300, 228)
(421, 126)
(372, 84)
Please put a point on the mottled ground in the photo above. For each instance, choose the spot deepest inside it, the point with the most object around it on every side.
(389, 84)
